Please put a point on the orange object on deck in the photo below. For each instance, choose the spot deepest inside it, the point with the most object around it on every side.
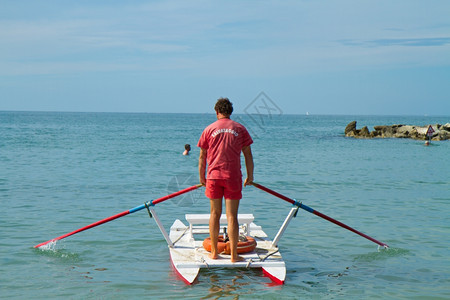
(244, 246)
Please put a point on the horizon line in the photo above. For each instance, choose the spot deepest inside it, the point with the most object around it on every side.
(306, 114)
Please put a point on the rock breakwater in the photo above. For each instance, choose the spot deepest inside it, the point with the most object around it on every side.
(441, 132)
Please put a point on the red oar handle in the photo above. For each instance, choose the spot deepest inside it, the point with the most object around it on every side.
(309, 209)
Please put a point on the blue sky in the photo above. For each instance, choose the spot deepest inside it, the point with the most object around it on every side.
(322, 57)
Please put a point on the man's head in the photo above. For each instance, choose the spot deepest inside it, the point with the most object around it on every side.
(224, 107)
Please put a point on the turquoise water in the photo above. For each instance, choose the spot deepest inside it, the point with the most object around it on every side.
(62, 171)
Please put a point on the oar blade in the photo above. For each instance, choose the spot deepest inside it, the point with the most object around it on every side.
(84, 228)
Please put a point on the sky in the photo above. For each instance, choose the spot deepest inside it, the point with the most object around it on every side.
(349, 57)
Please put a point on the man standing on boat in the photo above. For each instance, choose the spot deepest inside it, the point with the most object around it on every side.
(221, 145)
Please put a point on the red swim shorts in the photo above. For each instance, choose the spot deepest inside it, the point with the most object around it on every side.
(218, 188)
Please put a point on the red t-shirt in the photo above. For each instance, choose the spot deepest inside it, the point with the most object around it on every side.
(224, 140)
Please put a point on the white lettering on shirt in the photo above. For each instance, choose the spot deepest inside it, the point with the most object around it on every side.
(224, 130)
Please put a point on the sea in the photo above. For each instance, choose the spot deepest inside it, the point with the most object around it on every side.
(60, 171)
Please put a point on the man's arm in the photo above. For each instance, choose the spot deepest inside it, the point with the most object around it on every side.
(247, 151)
(202, 166)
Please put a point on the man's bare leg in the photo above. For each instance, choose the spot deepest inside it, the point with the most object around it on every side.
(233, 227)
(214, 226)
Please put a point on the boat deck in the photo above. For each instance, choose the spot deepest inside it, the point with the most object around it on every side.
(188, 254)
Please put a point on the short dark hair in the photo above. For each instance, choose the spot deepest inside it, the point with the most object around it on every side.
(187, 147)
(224, 106)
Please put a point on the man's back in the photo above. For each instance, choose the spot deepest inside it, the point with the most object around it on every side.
(224, 140)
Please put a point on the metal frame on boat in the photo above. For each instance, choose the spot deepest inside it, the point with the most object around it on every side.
(188, 255)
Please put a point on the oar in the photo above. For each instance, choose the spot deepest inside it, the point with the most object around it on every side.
(124, 213)
(309, 209)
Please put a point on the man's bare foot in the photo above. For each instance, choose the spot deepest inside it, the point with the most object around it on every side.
(214, 256)
(237, 259)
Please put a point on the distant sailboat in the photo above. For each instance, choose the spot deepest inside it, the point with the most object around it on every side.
(307, 113)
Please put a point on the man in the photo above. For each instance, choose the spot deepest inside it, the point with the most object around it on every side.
(187, 148)
(221, 145)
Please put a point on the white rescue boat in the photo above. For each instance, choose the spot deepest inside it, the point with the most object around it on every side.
(188, 255)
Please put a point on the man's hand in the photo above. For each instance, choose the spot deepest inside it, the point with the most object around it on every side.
(248, 181)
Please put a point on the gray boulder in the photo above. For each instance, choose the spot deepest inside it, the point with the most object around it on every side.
(441, 132)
